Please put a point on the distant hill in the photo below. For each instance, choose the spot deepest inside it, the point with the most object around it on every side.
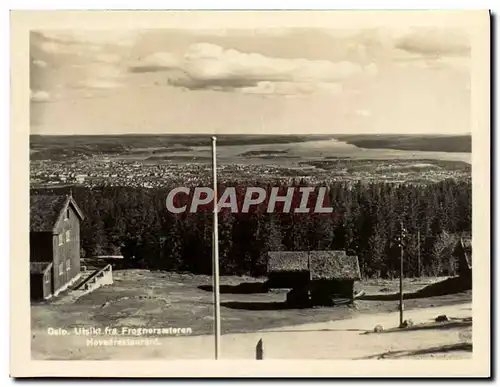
(264, 152)
(429, 143)
(64, 147)
(167, 140)
(78, 146)
(179, 158)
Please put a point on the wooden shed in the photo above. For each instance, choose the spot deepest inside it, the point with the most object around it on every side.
(315, 277)
(287, 269)
(333, 274)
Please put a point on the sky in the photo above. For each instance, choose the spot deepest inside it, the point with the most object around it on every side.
(255, 80)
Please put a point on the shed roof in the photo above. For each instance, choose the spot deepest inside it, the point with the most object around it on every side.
(334, 264)
(45, 211)
(287, 261)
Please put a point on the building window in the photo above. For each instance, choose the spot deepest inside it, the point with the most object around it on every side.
(68, 265)
(68, 236)
(61, 268)
(47, 278)
(66, 214)
(61, 239)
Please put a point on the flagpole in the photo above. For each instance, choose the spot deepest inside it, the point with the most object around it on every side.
(401, 305)
(215, 253)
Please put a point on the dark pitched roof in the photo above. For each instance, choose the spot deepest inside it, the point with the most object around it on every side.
(324, 264)
(39, 267)
(280, 261)
(334, 265)
(45, 211)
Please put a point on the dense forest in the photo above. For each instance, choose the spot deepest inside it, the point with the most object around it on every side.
(365, 222)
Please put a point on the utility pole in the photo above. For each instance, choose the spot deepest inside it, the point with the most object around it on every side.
(419, 264)
(215, 255)
(309, 284)
(401, 243)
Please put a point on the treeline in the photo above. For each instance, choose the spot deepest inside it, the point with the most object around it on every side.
(365, 222)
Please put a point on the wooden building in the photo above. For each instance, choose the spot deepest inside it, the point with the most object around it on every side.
(463, 255)
(287, 269)
(333, 274)
(40, 280)
(315, 277)
(54, 244)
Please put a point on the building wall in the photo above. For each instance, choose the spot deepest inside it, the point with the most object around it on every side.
(36, 286)
(287, 279)
(66, 254)
(47, 284)
(41, 285)
(335, 288)
(41, 249)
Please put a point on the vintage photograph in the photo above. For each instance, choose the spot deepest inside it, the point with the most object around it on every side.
(262, 192)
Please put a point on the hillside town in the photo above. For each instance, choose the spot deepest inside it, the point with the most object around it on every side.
(106, 172)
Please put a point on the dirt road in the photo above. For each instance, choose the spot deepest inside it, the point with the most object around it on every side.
(341, 339)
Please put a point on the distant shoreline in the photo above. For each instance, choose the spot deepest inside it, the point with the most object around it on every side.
(426, 143)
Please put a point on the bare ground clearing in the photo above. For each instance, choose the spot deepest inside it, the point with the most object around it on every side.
(140, 298)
